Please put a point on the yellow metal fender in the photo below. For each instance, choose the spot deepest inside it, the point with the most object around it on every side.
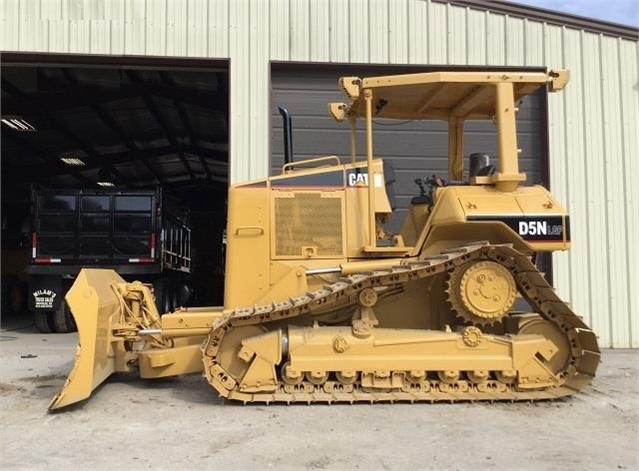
(95, 308)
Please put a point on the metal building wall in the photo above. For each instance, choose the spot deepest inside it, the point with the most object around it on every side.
(592, 125)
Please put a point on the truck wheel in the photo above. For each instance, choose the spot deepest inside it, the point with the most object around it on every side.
(161, 299)
(184, 294)
(174, 296)
(63, 320)
(19, 297)
(7, 308)
(44, 321)
(13, 296)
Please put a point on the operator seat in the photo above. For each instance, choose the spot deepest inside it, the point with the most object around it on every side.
(479, 165)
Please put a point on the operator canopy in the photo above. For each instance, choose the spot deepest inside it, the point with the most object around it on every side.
(438, 95)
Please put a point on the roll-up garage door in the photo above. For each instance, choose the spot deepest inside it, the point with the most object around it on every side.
(416, 148)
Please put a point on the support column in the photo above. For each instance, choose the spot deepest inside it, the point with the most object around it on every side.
(372, 226)
(353, 122)
(508, 177)
(455, 148)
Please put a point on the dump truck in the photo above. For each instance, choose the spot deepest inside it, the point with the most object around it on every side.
(323, 304)
(141, 233)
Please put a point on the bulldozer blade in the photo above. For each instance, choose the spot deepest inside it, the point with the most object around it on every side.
(95, 308)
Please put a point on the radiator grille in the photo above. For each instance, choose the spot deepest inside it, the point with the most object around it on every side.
(304, 220)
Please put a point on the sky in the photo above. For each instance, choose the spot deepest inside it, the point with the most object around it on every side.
(625, 12)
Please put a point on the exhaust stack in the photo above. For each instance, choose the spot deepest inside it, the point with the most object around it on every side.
(288, 134)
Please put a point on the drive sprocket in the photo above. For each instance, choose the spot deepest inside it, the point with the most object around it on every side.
(481, 292)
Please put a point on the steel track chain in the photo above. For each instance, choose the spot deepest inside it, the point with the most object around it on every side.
(582, 364)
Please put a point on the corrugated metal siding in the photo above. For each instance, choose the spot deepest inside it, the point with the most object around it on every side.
(628, 150)
(592, 125)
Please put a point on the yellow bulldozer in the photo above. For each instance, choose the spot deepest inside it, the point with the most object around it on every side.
(323, 304)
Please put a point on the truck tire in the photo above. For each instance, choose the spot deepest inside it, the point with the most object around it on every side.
(63, 320)
(7, 308)
(13, 297)
(184, 294)
(161, 299)
(174, 296)
(169, 294)
(43, 321)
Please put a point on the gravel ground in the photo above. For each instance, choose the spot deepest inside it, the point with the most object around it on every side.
(182, 424)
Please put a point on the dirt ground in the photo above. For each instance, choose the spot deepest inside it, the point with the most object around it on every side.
(182, 424)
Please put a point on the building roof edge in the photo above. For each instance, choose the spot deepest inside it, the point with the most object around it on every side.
(549, 16)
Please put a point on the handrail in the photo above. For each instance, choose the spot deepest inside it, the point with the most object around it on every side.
(335, 158)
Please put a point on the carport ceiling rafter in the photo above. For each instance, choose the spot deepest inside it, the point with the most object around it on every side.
(53, 165)
(148, 99)
(109, 122)
(106, 160)
(185, 122)
(142, 126)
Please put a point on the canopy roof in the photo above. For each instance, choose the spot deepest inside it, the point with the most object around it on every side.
(440, 95)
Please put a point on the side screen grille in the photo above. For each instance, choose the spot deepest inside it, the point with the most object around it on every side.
(308, 222)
